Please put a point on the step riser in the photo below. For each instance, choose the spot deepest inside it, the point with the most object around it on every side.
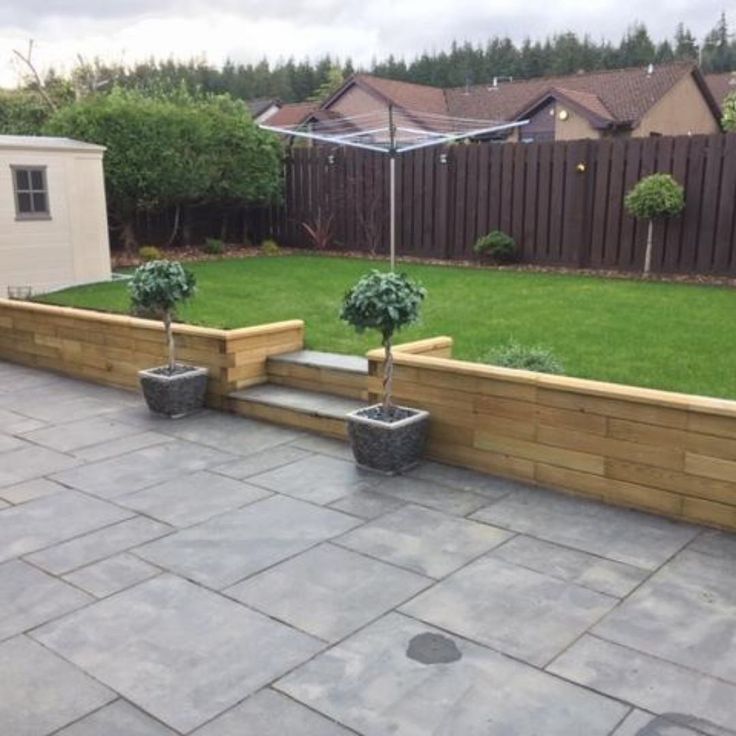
(327, 426)
(322, 380)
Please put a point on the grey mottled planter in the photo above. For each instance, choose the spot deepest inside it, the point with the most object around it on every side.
(389, 447)
(174, 395)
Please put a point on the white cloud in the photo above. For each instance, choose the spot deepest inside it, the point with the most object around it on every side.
(248, 31)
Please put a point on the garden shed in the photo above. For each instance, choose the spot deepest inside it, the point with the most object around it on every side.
(53, 217)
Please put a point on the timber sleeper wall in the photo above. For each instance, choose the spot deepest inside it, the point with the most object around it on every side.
(112, 348)
(673, 454)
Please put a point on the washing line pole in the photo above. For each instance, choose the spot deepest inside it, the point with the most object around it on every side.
(392, 183)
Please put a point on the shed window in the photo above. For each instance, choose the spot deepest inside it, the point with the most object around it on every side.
(31, 193)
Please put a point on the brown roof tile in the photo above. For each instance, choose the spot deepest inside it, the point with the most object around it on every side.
(293, 113)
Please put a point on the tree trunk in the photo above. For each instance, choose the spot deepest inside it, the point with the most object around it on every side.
(388, 377)
(648, 252)
(224, 227)
(175, 227)
(186, 226)
(170, 341)
(130, 241)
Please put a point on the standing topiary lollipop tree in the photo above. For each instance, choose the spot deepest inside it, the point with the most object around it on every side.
(157, 288)
(655, 197)
(385, 437)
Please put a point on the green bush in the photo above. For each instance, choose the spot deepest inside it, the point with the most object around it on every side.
(270, 248)
(498, 245)
(385, 302)
(213, 246)
(149, 253)
(529, 358)
(728, 119)
(658, 195)
(158, 287)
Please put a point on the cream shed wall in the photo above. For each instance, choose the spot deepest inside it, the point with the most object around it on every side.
(70, 247)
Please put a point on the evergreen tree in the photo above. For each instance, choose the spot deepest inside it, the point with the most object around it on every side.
(686, 47)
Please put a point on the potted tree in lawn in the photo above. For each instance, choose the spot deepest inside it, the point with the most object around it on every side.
(385, 437)
(174, 389)
(655, 197)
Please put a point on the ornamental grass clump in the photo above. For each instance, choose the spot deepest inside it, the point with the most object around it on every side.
(158, 287)
(529, 358)
(655, 197)
(385, 302)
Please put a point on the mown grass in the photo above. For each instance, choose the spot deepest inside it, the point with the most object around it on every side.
(670, 336)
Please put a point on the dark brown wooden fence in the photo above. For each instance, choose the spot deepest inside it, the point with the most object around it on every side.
(562, 202)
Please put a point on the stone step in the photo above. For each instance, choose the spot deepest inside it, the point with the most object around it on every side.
(328, 373)
(294, 407)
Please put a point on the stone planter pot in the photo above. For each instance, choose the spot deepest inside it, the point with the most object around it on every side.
(175, 394)
(389, 447)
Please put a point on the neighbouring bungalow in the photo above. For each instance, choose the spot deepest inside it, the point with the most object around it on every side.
(667, 99)
(721, 85)
(264, 108)
(53, 216)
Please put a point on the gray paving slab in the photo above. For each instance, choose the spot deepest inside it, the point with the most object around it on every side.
(189, 499)
(641, 723)
(464, 479)
(426, 493)
(590, 571)
(112, 575)
(370, 684)
(46, 521)
(137, 470)
(30, 597)
(30, 489)
(99, 544)
(41, 692)
(262, 461)
(631, 537)
(37, 405)
(648, 682)
(117, 719)
(31, 461)
(9, 442)
(81, 433)
(715, 543)
(228, 548)
(141, 643)
(685, 613)
(229, 433)
(268, 713)
(328, 591)
(319, 359)
(367, 504)
(324, 446)
(516, 611)
(318, 479)
(14, 423)
(121, 446)
(424, 540)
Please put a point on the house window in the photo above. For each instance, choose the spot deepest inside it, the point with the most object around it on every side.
(31, 192)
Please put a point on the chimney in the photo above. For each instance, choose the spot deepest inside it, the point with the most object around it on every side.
(650, 70)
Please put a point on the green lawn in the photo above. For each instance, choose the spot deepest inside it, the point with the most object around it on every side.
(669, 336)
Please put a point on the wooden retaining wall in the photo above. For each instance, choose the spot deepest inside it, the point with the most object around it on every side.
(112, 348)
(673, 454)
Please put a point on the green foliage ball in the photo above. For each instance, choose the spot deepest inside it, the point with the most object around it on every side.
(657, 195)
(515, 355)
(270, 248)
(158, 287)
(213, 246)
(500, 246)
(383, 301)
(149, 253)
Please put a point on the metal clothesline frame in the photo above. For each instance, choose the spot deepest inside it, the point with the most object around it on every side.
(394, 146)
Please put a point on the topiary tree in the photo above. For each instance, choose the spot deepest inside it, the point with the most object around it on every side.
(386, 302)
(158, 287)
(655, 197)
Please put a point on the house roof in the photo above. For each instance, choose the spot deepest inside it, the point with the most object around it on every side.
(293, 113)
(623, 96)
(46, 143)
(259, 106)
(587, 104)
(721, 85)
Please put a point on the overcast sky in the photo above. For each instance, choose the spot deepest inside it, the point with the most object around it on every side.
(247, 30)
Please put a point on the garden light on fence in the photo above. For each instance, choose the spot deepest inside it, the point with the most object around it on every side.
(393, 132)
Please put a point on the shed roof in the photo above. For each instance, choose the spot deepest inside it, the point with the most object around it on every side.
(46, 143)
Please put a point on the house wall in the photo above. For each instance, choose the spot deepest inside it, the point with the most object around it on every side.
(72, 246)
(683, 111)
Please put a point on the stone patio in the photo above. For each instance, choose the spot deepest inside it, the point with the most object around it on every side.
(222, 577)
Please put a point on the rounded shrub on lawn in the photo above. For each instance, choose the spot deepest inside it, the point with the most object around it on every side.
(497, 245)
(529, 358)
